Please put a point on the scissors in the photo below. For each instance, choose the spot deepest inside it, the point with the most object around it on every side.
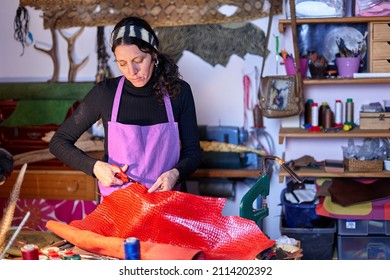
(123, 176)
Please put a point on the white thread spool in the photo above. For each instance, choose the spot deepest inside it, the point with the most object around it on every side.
(314, 114)
(338, 113)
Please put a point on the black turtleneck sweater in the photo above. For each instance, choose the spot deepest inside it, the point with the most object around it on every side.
(138, 106)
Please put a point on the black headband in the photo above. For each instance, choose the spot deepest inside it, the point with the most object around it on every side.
(133, 31)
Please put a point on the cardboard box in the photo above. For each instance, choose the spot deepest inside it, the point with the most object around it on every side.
(374, 120)
(334, 166)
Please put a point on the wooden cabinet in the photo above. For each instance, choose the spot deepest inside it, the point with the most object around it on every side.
(379, 51)
(53, 184)
(379, 61)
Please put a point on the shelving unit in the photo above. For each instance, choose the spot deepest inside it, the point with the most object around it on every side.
(283, 23)
(320, 173)
(287, 132)
(354, 133)
(343, 81)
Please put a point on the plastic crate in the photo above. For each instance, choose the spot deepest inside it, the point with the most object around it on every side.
(363, 247)
(363, 227)
(316, 243)
(300, 214)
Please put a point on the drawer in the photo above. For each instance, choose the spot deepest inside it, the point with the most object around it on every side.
(363, 247)
(381, 31)
(380, 50)
(363, 227)
(53, 184)
(380, 66)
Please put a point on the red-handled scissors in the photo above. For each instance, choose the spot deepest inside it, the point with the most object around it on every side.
(123, 176)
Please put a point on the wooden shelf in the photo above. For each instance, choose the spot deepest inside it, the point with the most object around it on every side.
(226, 173)
(320, 173)
(339, 81)
(286, 22)
(287, 132)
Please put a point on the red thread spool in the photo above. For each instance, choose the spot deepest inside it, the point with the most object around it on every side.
(30, 252)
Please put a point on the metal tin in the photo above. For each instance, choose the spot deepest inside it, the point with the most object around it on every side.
(132, 249)
(30, 252)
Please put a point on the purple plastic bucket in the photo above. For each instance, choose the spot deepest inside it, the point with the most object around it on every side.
(347, 66)
(290, 66)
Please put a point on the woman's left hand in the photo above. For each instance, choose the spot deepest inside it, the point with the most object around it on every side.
(166, 181)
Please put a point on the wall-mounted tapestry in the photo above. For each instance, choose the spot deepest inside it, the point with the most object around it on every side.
(157, 13)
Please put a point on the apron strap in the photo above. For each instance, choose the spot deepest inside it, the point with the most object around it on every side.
(117, 99)
(168, 106)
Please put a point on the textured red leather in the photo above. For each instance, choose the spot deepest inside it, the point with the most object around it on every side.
(175, 218)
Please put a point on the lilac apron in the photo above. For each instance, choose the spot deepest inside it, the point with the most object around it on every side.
(148, 150)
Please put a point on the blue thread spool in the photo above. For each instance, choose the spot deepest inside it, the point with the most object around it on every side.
(132, 249)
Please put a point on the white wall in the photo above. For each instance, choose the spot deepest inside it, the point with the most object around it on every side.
(218, 91)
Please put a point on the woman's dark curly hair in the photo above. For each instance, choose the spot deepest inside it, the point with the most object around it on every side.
(166, 72)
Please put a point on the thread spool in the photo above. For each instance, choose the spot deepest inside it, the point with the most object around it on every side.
(328, 119)
(307, 118)
(349, 111)
(30, 252)
(314, 114)
(322, 114)
(314, 118)
(132, 249)
(338, 113)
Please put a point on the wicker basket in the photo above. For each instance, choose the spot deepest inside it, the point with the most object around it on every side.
(354, 165)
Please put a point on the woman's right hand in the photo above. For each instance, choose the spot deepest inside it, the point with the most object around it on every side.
(105, 173)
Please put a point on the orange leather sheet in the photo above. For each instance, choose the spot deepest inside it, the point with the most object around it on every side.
(113, 246)
(179, 219)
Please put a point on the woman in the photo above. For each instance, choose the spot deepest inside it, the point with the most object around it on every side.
(148, 115)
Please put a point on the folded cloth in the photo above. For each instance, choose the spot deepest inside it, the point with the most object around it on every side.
(345, 191)
(113, 246)
(305, 162)
(175, 218)
(375, 210)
